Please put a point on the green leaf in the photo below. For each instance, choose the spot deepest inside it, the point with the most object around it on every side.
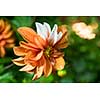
(20, 21)
(5, 60)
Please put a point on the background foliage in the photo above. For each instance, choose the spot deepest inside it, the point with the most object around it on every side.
(82, 56)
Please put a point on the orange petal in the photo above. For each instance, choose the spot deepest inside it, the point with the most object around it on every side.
(11, 45)
(57, 54)
(30, 36)
(60, 63)
(26, 68)
(63, 45)
(63, 42)
(38, 41)
(43, 42)
(2, 43)
(28, 46)
(29, 59)
(7, 28)
(8, 35)
(2, 51)
(39, 72)
(38, 56)
(10, 40)
(20, 51)
(27, 33)
(47, 68)
(19, 61)
(2, 25)
(62, 28)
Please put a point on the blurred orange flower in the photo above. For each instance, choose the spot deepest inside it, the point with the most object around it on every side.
(41, 51)
(6, 39)
(85, 31)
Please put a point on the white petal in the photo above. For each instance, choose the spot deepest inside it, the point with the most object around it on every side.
(79, 26)
(47, 27)
(59, 35)
(92, 36)
(41, 30)
(53, 35)
(27, 68)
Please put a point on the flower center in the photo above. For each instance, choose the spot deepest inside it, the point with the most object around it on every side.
(47, 51)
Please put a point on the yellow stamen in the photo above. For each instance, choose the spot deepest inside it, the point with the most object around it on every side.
(47, 51)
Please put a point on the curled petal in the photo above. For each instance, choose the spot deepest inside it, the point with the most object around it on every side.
(2, 51)
(7, 28)
(2, 25)
(20, 51)
(63, 42)
(10, 45)
(38, 73)
(59, 65)
(47, 68)
(57, 54)
(10, 40)
(38, 56)
(30, 72)
(62, 45)
(29, 59)
(8, 35)
(19, 61)
(26, 68)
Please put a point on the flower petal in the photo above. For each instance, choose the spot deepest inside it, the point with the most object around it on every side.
(10, 45)
(20, 51)
(38, 56)
(19, 61)
(40, 43)
(26, 68)
(53, 35)
(78, 26)
(2, 25)
(47, 68)
(2, 51)
(8, 35)
(27, 33)
(63, 42)
(48, 28)
(38, 73)
(60, 63)
(59, 36)
(10, 40)
(41, 30)
(7, 28)
(91, 36)
(28, 46)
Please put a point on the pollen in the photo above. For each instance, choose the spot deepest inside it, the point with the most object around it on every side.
(47, 51)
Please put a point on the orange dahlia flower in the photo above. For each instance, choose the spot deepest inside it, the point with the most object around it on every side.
(6, 39)
(41, 51)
